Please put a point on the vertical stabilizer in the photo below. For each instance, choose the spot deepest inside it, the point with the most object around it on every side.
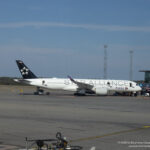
(25, 71)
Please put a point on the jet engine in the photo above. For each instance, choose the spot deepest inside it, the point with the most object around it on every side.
(101, 91)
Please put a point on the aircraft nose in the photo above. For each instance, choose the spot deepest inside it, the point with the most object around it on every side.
(139, 88)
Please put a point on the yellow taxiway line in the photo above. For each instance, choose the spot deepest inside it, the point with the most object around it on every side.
(109, 134)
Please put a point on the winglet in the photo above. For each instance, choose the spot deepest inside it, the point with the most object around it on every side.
(71, 79)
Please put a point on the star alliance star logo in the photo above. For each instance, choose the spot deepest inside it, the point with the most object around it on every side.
(24, 71)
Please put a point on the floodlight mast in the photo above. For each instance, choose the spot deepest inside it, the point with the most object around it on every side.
(105, 61)
(131, 66)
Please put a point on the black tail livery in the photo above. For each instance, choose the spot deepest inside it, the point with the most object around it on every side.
(25, 71)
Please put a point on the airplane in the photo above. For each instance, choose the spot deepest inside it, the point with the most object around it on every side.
(78, 86)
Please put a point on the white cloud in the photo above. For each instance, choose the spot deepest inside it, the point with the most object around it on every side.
(82, 26)
(29, 50)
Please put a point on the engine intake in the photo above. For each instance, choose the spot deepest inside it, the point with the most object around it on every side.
(101, 91)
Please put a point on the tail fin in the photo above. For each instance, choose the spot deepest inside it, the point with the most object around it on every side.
(25, 71)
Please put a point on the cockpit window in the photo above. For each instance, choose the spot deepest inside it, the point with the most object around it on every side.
(130, 84)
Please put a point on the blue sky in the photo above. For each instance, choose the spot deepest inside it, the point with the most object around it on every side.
(66, 37)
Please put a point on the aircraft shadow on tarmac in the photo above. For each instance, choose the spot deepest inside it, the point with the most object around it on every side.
(60, 95)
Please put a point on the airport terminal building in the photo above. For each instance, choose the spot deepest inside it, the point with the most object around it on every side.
(147, 75)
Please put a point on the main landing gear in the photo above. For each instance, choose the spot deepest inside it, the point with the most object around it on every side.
(40, 92)
(80, 93)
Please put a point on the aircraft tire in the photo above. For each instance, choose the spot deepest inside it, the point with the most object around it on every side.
(47, 93)
(79, 94)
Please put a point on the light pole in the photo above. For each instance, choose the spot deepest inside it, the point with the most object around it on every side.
(131, 66)
(105, 61)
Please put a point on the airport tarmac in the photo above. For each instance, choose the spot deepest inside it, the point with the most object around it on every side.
(106, 122)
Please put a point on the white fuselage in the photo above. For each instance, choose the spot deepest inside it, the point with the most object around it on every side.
(98, 85)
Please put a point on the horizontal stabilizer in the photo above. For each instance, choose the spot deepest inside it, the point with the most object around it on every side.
(22, 81)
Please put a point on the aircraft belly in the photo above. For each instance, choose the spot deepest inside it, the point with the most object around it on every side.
(55, 86)
(72, 88)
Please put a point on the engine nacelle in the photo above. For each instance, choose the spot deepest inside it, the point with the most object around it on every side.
(101, 91)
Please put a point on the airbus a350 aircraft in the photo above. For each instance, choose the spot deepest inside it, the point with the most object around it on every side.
(79, 86)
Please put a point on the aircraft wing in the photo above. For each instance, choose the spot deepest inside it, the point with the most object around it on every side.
(81, 85)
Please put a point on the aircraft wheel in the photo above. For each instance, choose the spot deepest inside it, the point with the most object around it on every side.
(47, 93)
(39, 92)
(36, 93)
(79, 94)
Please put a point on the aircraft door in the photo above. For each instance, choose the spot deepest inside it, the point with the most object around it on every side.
(44, 83)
